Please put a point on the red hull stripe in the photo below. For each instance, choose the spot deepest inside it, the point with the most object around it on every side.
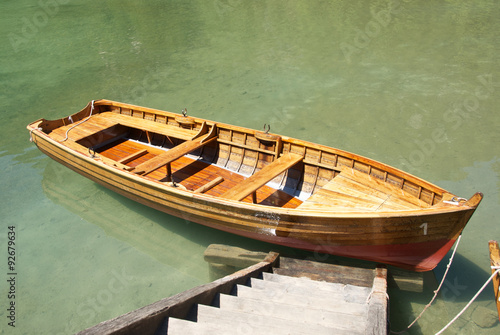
(423, 256)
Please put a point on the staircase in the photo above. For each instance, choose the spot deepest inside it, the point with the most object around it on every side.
(278, 295)
(279, 304)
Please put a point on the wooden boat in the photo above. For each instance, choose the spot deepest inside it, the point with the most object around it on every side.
(259, 185)
(495, 262)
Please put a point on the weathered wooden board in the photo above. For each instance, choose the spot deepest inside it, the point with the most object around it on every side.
(233, 256)
(495, 262)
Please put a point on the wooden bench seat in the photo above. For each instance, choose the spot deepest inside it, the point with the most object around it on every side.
(147, 125)
(107, 120)
(174, 154)
(262, 177)
(79, 130)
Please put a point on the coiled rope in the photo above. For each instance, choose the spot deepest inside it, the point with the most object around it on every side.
(76, 124)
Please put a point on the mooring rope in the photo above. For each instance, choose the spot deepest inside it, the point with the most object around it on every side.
(31, 133)
(435, 292)
(497, 268)
(76, 124)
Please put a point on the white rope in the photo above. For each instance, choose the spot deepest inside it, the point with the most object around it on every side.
(376, 291)
(31, 133)
(76, 124)
(435, 292)
(472, 300)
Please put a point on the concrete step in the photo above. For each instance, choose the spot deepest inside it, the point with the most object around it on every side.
(323, 271)
(322, 285)
(220, 327)
(248, 323)
(311, 288)
(317, 316)
(181, 327)
(327, 302)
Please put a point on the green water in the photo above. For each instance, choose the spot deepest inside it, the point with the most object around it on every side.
(411, 83)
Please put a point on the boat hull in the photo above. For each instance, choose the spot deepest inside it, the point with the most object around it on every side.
(414, 242)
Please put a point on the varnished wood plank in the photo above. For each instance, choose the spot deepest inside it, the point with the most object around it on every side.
(344, 193)
(171, 155)
(365, 194)
(495, 262)
(380, 185)
(133, 156)
(262, 177)
(209, 185)
(156, 127)
(81, 129)
(336, 201)
(353, 188)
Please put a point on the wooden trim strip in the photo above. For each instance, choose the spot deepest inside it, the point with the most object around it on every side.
(245, 146)
(133, 156)
(209, 185)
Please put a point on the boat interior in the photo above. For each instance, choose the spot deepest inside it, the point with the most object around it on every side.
(236, 163)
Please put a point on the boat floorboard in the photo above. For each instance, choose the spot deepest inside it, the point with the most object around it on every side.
(192, 173)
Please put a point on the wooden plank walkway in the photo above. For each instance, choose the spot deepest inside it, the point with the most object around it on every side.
(278, 295)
